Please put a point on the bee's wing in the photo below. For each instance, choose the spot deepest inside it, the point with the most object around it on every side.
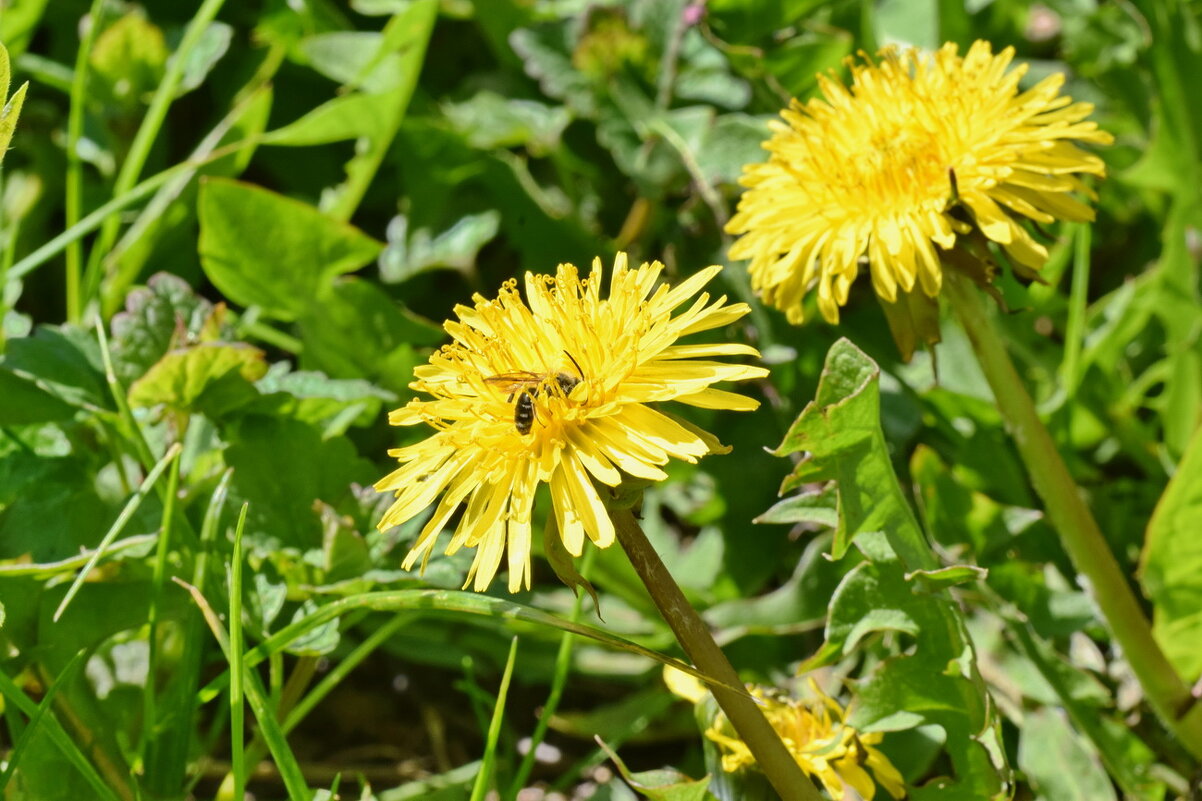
(512, 382)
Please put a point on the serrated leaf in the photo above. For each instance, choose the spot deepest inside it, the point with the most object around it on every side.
(266, 250)
(815, 506)
(211, 377)
(936, 681)
(410, 253)
(488, 120)
(1171, 565)
(316, 398)
(841, 435)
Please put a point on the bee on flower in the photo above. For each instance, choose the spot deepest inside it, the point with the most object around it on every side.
(559, 388)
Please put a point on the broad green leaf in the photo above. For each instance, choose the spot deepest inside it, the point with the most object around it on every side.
(1057, 762)
(347, 117)
(282, 467)
(23, 402)
(263, 249)
(65, 360)
(404, 39)
(212, 377)
(354, 58)
(1171, 565)
(360, 332)
(730, 144)
(841, 435)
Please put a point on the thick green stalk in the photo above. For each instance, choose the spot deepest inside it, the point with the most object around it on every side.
(1069, 515)
(771, 756)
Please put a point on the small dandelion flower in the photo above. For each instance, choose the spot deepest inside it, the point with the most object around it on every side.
(558, 389)
(814, 732)
(917, 151)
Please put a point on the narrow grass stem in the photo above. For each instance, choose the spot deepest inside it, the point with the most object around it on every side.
(1078, 531)
(771, 756)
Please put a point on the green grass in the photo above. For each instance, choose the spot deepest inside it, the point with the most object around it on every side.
(229, 232)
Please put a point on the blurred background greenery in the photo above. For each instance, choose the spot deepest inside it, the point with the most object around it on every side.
(298, 195)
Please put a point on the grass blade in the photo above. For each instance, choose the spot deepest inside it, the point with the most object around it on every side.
(488, 763)
(131, 506)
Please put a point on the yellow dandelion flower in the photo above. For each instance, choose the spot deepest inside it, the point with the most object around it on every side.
(558, 389)
(918, 151)
(825, 747)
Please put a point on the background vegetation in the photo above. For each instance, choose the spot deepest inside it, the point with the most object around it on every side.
(229, 232)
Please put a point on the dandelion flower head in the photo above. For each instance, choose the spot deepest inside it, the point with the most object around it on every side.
(877, 170)
(813, 730)
(558, 389)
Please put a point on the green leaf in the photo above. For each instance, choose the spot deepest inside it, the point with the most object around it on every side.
(281, 467)
(163, 315)
(360, 332)
(12, 105)
(1057, 761)
(944, 577)
(665, 784)
(63, 359)
(409, 253)
(127, 60)
(347, 117)
(263, 249)
(214, 43)
(23, 402)
(212, 378)
(354, 58)
(1171, 565)
(316, 398)
(730, 144)
(935, 681)
(841, 435)
(815, 506)
(488, 120)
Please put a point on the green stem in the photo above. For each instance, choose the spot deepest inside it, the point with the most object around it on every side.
(74, 180)
(771, 756)
(1079, 532)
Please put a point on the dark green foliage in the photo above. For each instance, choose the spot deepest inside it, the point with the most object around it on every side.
(327, 181)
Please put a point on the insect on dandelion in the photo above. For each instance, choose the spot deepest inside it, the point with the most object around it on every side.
(559, 388)
(920, 152)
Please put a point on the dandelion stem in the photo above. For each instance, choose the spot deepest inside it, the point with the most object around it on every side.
(1069, 515)
(694, 637)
